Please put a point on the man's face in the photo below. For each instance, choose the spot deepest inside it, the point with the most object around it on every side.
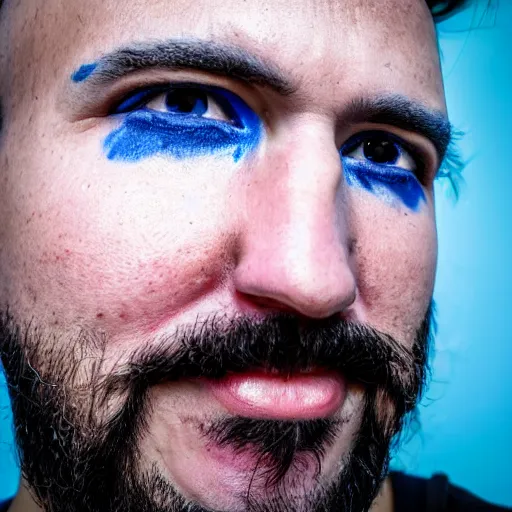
(191, 229)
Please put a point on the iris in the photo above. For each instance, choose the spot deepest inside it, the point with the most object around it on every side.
(183, 102)
(381, 151)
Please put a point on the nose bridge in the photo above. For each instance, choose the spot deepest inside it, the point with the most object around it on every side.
(295, 239)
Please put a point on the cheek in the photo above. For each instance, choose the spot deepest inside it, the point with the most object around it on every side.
(395, 254)
(116, 246)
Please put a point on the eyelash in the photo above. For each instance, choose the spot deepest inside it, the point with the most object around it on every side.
(141, 97)
(381, 135)
(128, 102)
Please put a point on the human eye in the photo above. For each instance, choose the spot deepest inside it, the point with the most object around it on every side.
(379, 148)
(387, 166)
(186, 100)
(180, 121)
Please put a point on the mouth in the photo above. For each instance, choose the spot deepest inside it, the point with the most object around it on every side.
(264, 395)
(251, 433)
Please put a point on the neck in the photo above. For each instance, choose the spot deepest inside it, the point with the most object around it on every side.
(384, 501)
(25, 503)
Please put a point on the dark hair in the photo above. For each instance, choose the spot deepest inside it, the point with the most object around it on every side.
(440, 9)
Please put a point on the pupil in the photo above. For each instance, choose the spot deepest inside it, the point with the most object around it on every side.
(381, 151)
(185, 102)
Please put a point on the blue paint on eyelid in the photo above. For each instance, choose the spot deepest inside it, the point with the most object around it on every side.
(84, 72)
(145, 133)
(387, 182)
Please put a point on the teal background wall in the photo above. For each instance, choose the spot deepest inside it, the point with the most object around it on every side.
(466, 416)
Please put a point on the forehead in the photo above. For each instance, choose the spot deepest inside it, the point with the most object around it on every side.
(324, 46)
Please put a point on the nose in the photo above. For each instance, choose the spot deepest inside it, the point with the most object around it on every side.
(294, 253)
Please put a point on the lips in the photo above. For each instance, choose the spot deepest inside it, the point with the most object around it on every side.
(263, 395)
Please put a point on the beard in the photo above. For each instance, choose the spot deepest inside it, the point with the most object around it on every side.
(78, 426)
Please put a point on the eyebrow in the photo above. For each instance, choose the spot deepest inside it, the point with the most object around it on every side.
(209, 56)
(405, 113)
(234, 62)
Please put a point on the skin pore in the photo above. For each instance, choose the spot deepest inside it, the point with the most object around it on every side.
(139, 199)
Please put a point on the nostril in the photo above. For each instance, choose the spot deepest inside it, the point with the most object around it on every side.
(351, 245)
(294, 301)
(265, 304)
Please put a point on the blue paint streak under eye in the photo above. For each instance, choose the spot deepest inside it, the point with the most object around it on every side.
(84, 72)
(386, 181)
(145, 133)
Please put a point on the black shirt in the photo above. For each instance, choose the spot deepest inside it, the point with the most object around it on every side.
(436, 494)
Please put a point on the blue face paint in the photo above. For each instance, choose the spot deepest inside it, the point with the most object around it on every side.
(84, 72)
(386, 180)
(180, 130)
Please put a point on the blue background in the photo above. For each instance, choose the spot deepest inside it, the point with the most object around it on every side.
(466, 416)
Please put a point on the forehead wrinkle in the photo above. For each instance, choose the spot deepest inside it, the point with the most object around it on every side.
(345, 22)
(401, 25)
(381, 12)
(391, 27)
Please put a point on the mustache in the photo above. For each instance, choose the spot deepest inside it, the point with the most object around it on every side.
(285, 344)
